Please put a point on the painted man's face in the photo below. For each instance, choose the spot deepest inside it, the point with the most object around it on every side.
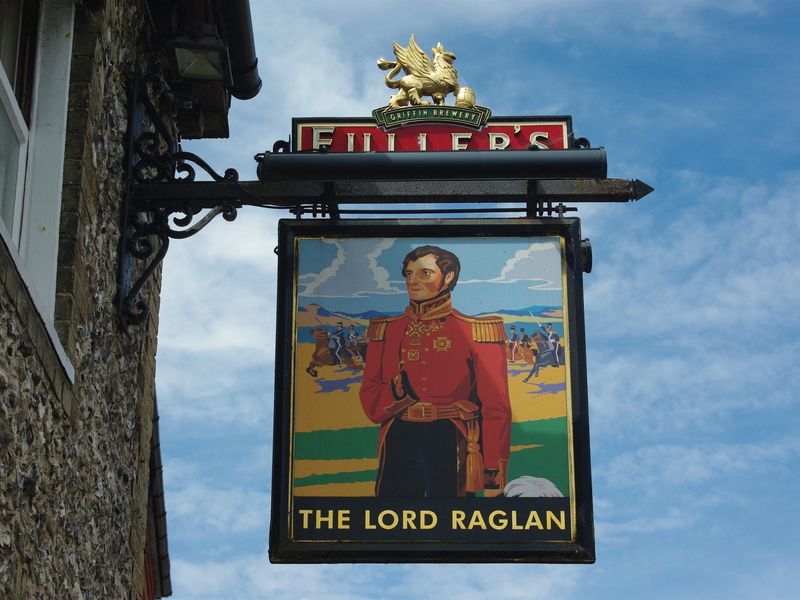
(424, 279)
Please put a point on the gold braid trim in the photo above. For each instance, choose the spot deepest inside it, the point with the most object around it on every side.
(376, 330)
(485, 329)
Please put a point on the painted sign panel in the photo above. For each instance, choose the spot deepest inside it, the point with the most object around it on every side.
(430, 393)
(364, 135)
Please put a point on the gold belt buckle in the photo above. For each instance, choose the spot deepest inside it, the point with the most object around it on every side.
(421, 411)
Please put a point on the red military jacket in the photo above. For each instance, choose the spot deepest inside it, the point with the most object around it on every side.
(448, 357)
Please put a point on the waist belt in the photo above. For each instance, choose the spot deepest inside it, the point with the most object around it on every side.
(425, 412)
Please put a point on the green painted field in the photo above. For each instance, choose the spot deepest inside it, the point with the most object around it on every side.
(547, 459)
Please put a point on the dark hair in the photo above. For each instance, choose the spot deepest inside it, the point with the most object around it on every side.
(445, 260)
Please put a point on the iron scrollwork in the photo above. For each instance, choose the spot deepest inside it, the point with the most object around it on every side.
(155, 157)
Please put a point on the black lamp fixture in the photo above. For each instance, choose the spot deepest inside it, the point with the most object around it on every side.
(210, 53)
(202, 58)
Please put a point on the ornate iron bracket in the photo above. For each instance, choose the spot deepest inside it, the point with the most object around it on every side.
(164, 200)
(155, 157)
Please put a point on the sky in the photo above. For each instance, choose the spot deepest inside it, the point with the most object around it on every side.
(359, 275)
(691, 321)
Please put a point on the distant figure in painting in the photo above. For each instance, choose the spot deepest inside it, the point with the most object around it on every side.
(436, 382)
(352, 343)
(352, 337)
(336, 342)
(552, 340)
(513, 343)
(322, 355)
(549, 352)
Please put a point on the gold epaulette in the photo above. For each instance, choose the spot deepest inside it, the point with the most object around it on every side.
(485, 329)
(377, 328)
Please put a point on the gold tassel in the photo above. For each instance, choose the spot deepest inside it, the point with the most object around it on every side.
(474, 458)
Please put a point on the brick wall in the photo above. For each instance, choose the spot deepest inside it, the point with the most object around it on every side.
(74, 455)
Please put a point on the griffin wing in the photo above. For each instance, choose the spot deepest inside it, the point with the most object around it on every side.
(413, 60)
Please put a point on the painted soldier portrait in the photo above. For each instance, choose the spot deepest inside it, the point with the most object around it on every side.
(436, 396)
(435, 380)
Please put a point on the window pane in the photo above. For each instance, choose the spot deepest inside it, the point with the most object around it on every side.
(9, 164)
(10, 13)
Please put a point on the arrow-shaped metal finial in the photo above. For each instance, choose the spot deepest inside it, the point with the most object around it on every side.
(640, 189)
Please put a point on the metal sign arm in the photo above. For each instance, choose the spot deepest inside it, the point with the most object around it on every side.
(288, 195)
(165, 202)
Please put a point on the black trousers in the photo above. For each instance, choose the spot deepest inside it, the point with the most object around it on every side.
(422, 460)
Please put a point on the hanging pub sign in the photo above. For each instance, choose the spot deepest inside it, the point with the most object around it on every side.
(430, 392)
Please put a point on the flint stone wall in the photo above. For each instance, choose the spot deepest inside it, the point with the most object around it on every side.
(74, 455)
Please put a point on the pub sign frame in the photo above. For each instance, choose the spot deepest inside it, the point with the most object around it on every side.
(341, 295)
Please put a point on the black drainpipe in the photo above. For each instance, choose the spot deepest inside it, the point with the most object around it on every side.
(238, 29)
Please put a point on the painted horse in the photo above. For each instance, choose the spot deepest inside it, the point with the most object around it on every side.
(325, 353)
(521, 352)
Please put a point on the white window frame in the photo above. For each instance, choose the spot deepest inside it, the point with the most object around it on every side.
(12, 111)
(33, 241)
(41, 206)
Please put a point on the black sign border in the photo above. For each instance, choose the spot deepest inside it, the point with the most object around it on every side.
(284, 550)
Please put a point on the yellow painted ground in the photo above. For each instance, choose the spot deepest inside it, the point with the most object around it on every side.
(306, 468)
(524, 447)
(342, 409)
(527, 407)
(366, 488)
(332, 410)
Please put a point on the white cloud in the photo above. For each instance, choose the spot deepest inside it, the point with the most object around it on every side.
(656, 489)
(211, 390)
(623, 530)
(313, 281)
(679, 470)
(345, 276)
(670, 389)
(202, 510)
(201, 310)
(379, 274)
(249, 576)
(774, 577)
(690, 321)
(540, 261)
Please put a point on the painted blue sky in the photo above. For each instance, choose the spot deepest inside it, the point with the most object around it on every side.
(357, 275)
(691, 310)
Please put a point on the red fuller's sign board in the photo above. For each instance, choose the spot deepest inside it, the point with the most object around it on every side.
(365, 135)
(430, 388)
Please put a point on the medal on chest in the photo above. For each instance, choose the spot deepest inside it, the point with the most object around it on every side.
(417, 331)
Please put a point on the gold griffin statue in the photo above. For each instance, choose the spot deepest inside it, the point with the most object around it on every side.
(423, 77)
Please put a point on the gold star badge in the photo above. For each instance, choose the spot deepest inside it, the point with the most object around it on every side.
(442, 344)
